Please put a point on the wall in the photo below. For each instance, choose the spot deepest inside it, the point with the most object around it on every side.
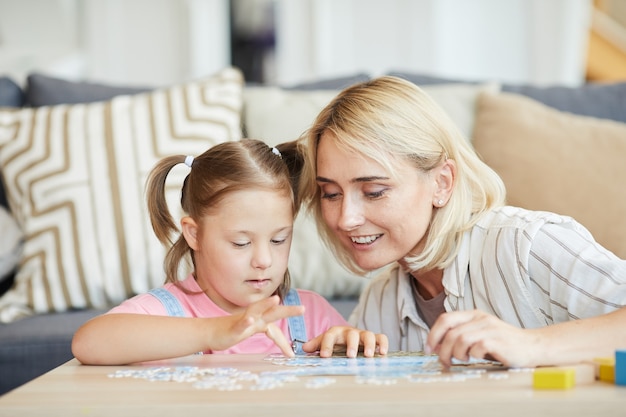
(511, 40)
(156, 42)
(130, 42)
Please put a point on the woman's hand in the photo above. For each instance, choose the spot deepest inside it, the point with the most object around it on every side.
(476, 334)
(350, 339)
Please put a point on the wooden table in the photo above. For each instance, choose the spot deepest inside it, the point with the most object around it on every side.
(76, 390)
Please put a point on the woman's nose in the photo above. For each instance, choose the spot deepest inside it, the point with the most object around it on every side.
(351, 215)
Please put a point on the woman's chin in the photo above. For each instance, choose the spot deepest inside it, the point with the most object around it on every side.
(369, 264)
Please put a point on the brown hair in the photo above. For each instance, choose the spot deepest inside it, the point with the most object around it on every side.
(222, 169)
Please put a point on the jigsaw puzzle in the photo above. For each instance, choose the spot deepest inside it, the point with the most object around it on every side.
(380, 370)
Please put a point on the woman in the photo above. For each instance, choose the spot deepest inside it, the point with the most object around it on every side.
(391, 180)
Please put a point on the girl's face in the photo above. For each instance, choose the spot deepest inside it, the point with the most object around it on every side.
(377, 218)
(242, 247)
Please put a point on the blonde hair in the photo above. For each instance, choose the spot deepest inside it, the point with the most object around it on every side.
(388, 118)
(222, 169)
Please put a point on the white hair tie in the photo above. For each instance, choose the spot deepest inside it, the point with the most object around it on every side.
(275, 151)
(189, 160)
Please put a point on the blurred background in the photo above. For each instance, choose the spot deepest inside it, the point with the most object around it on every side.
(284, 42)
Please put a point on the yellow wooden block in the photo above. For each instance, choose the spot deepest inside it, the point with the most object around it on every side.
(606, 369)
(554, 378)
(606, 372)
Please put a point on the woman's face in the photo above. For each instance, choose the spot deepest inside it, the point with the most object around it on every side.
(241, 249)
(378, 218)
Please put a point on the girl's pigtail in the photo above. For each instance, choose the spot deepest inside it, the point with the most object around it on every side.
(293, 156)
(160, 217)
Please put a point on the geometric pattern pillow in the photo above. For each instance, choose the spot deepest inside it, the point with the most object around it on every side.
(75, 177)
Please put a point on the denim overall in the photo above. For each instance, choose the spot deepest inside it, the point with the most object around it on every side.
(297, 328)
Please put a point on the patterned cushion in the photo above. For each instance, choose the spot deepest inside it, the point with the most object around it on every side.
(75, 182)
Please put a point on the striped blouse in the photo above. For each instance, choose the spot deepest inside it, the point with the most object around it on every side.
(529, 268)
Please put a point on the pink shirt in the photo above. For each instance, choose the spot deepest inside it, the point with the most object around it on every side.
(319, 315)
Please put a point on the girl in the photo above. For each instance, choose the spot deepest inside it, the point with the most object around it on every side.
(240, 207)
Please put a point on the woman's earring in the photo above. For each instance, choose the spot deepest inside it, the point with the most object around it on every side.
(440, 202)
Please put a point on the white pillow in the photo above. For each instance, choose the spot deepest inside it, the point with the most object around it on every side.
(277, 115)
(459, 102)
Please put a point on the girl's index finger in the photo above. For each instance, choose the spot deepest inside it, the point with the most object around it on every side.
(277, 336)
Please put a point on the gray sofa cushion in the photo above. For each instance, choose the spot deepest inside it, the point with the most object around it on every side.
(43, 90)
(37, 344)
(605, 101)
(11, 94)
(425, 79)
(338, 83)
(602, 100)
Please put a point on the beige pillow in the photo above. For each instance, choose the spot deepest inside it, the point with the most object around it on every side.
(75, 179)
(556, 161)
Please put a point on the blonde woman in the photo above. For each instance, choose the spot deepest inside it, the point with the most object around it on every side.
(392, 181)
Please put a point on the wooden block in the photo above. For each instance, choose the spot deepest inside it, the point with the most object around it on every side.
(585, 373)
(605, 369)
(606, 372)
(620, 367)
(554, 378)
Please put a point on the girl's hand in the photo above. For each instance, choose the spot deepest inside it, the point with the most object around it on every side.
(476, 334)
(350, 338)
(259, 317)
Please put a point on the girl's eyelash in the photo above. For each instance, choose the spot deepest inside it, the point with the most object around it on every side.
(274, 241)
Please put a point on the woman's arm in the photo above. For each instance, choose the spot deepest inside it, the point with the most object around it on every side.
(465, 334)
(117, 339)
(578, 286)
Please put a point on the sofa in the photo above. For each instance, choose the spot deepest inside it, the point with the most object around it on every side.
(73, 157)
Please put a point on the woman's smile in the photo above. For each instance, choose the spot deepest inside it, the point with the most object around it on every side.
(365, 240)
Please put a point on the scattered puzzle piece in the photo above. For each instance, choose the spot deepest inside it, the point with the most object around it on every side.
(381, 370)
(554, 378)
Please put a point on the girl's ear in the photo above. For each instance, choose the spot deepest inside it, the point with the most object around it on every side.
(190, 232)
(446, 176)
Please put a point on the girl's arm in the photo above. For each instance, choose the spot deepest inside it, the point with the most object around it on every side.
(119, 339)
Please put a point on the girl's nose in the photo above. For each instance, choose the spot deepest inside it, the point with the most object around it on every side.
(262, 257)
